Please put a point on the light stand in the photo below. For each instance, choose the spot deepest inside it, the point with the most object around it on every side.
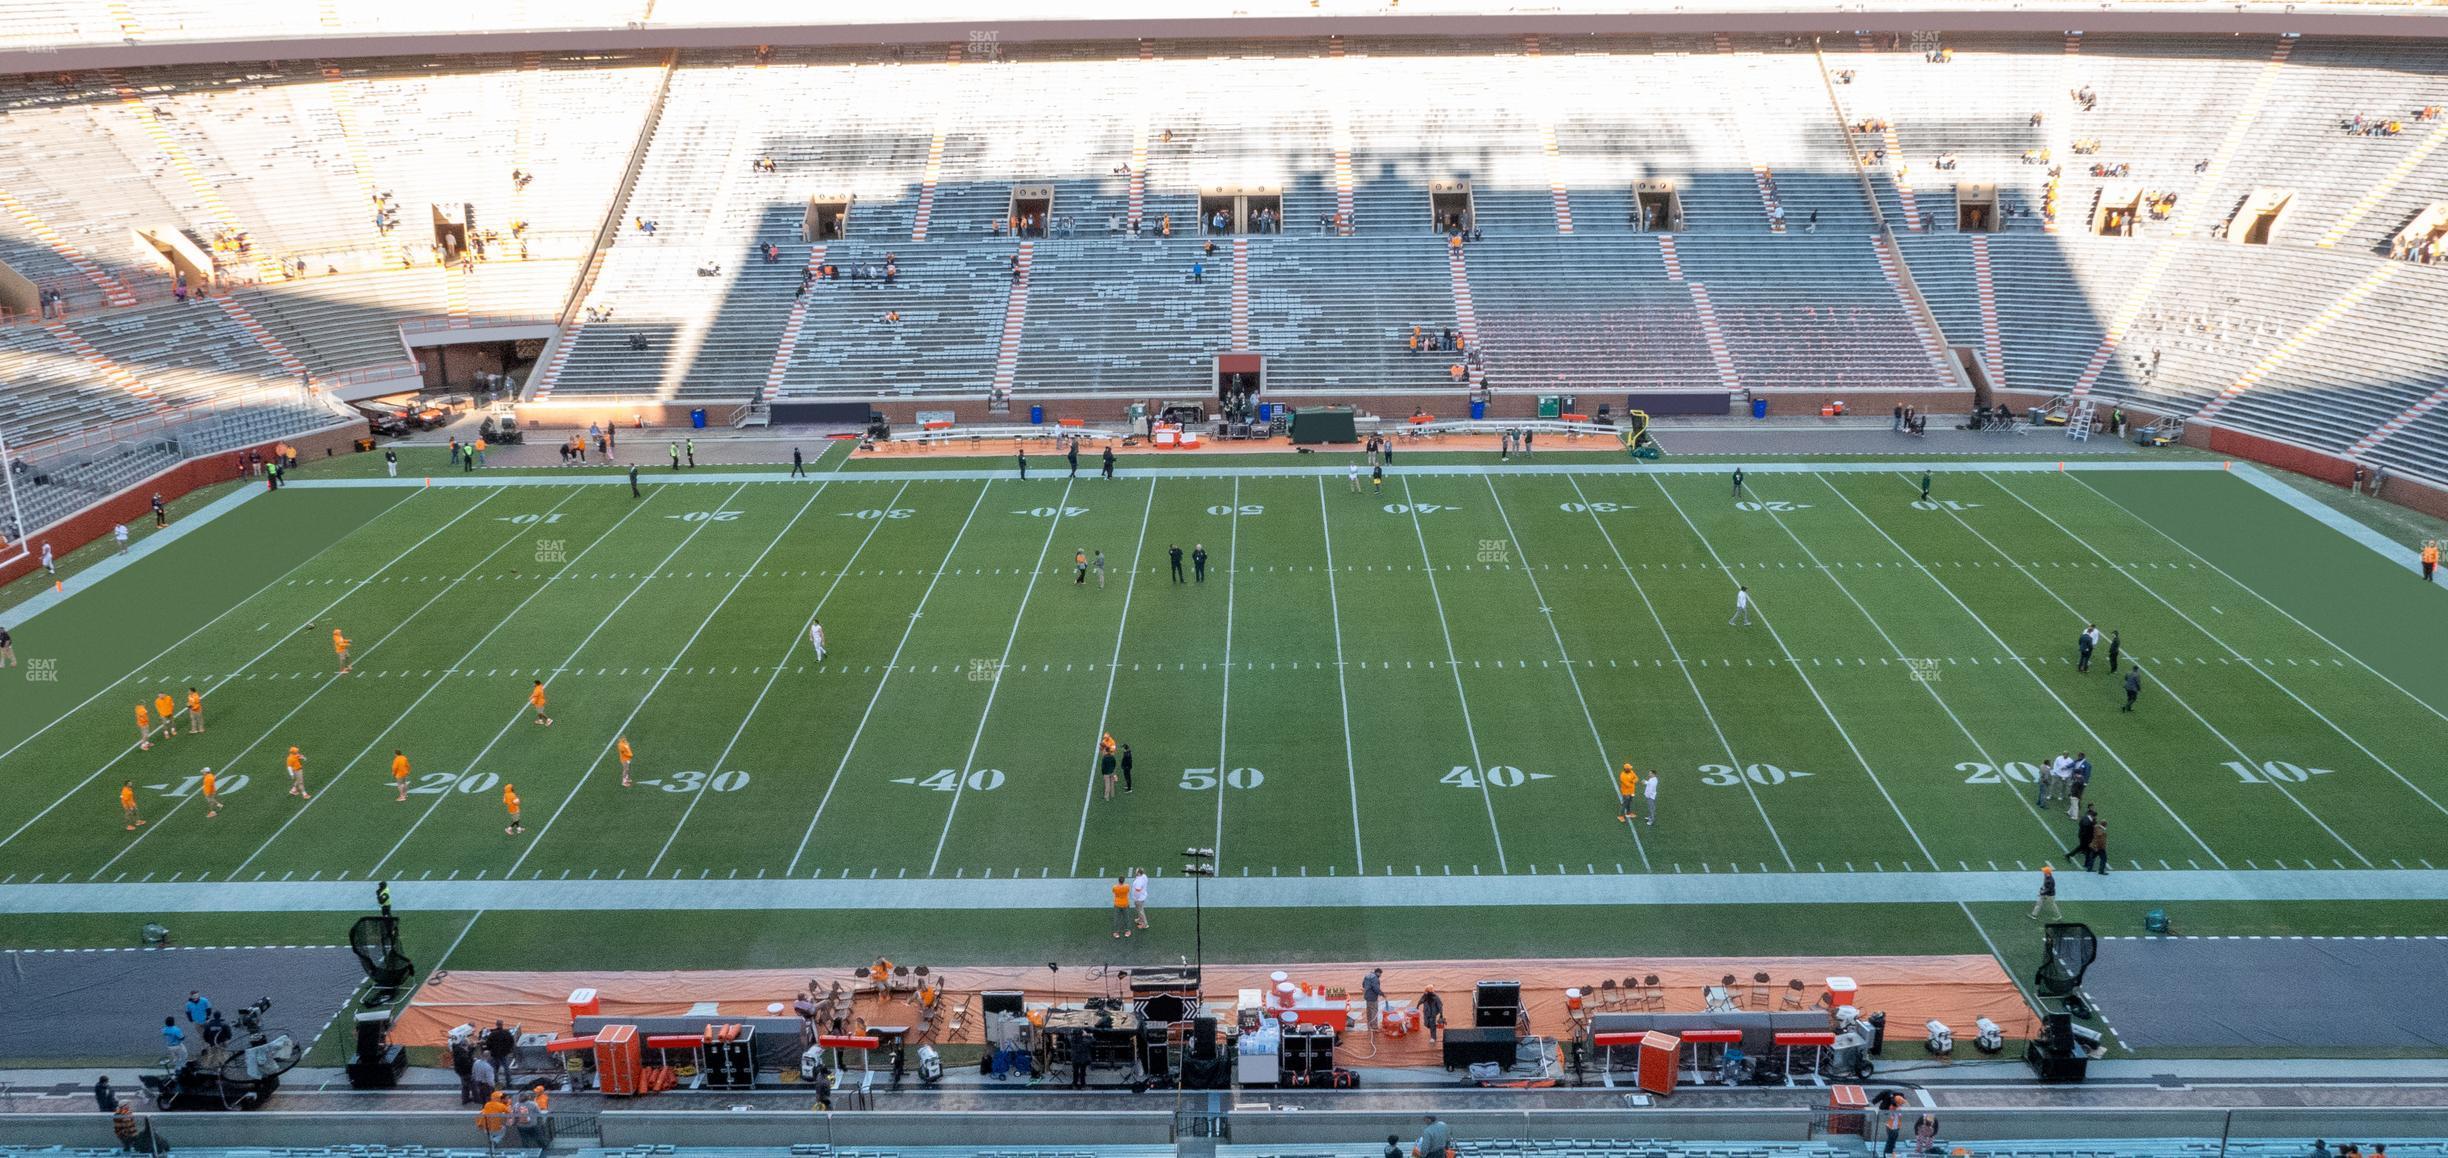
(1201, 866)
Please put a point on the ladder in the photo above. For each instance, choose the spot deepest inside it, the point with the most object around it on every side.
(2078, 427)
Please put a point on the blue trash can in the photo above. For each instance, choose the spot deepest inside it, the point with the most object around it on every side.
(1478, 410)
(1759, 408)
(1036, 415)
(697, 418)
(1266, 412)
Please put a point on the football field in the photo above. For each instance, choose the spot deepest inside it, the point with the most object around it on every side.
(1432, 682)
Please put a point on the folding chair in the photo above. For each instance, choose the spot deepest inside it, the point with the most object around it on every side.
(1793, 994)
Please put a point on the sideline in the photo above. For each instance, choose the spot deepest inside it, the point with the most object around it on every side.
(2330, 517)
(920, 893)
(136, 551)
(1137, 469)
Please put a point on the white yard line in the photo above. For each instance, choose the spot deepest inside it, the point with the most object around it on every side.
(607, 618)
(1453, 665)
(421, 696)
(994, 687)
(517, 533)
(283, 641)
(1606, 767)
(2048, 835)
(233, 609)
(2257, 669)
(1685, 668)
(430, 689)
(890, 666)
(1334, 607)
(714, 769)
(1807, 683)
(1113, 672)
(2037, 678)
(1223, 772)
(2159, 676)
(2240, 585)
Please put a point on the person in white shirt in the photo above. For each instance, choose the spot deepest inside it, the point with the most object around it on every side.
(48, 567)
(119, 536)
(1742, 607)
(1354, 475)
(1138, 896)
(816, 638)
(1649, 796)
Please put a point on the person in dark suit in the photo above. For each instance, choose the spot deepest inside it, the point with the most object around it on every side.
(1082, 1052)
(1175, 552)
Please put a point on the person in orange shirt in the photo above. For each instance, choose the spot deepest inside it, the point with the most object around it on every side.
(510, 801)
(624, 759)
(340, 645)
(297, 774)
(399, 773)
(144, 727)
(2430, 558)
(1105, 744)
(1627, 786)
(493, 1120)
(195, 712)
(1121, 908)
(127, 806)
(211, 790)
(167, 709)
(536, 697)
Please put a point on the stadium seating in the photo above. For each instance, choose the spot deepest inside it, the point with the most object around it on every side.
(2298, 339)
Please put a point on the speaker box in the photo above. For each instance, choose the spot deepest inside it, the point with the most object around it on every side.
(381, 1071)
(373, 1026)
(1203, 1038)
(1010, 1001)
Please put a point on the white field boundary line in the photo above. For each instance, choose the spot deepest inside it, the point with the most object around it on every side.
(2213, 637)
(2240, 585)
(1453, 665)
(215, 686)
(2105, 748)
(575, 652)
(1606, 767)
(2048, 835)
(430, 689)
(1680, 665)
(1113, 672)
(269, 585)
(1223, 772)
(788, 646)
(890, 665)
(1844, 892)
(44, 599)
(1807, 683)
(2160, 676)
(994, 687)
(1334, 608)
(516, 533)
(1140, 468)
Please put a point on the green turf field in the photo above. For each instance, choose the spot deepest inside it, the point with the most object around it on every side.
(1431, 682)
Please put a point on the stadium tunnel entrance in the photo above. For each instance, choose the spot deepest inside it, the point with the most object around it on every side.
(1449, 206)
(1236, 209)
(1031, 207)
(827, 218)
(1976, 209)
(1656, 207)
